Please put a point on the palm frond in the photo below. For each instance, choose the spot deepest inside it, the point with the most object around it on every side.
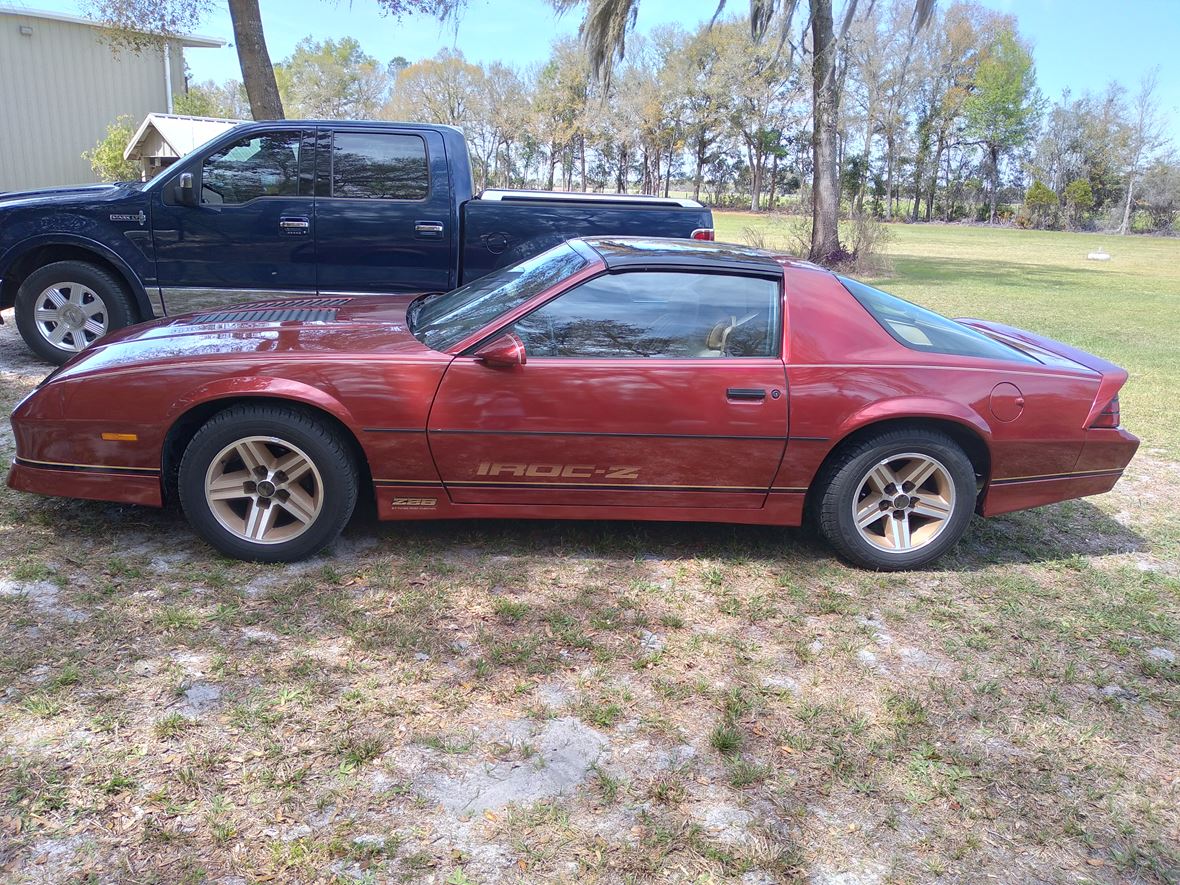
(604, 31)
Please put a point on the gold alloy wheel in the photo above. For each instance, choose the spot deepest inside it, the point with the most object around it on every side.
(904, 502)
(264, 490)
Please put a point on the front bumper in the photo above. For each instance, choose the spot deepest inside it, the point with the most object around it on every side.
(81, 481)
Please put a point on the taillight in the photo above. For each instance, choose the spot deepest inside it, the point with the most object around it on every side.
(703, 233)
(1108, 417)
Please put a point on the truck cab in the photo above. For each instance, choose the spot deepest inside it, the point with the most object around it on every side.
(283, 209)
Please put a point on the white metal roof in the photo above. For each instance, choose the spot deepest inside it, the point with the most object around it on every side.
(180, 133)
(193, 40)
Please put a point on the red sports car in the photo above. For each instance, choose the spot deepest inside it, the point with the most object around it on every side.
(603, 379)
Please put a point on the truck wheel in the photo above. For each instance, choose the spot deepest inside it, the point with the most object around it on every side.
(897, 500)
(267, 483)
(65, 306)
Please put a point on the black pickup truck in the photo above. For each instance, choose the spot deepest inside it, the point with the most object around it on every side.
(282, 210)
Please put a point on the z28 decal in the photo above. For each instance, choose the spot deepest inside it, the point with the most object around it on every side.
(557, 471)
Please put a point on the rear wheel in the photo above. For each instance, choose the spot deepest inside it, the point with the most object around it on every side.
(897, 500)
(66, 306)
(267, 483)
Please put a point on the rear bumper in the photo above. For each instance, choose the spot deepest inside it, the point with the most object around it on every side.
(95, 483)
(1104, 456)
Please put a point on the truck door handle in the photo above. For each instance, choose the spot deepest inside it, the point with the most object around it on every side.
(294, 225)
(429, 230)
(745, 393)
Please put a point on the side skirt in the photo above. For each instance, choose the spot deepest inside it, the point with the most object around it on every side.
(396, 501)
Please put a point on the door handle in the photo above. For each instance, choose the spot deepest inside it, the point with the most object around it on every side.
(294, 225)
(745, 393)
(428, 229)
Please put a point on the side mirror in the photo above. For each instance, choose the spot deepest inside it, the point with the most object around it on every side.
(505, 352)
(183, 191)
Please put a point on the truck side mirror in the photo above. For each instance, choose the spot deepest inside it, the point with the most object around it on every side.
(184, 192)
(506, 352)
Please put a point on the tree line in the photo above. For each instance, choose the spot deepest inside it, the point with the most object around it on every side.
(941, 122)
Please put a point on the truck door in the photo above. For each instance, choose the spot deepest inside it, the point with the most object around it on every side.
(384, 211)
(250, 234)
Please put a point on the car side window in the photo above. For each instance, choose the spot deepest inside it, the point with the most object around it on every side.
(671, 315)
(379, 166)
(260, 165)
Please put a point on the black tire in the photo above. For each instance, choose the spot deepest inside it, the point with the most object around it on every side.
(103, 291)
(844, 482)
(335, 474)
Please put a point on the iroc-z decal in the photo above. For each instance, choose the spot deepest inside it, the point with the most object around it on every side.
(557, 471)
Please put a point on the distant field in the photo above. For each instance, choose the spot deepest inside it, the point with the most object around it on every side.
(1126, 310)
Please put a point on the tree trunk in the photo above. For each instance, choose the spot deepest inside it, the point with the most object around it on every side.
(864, 179)
(700, 173)
(621, 180)
(995, 156)
(258, 74)
(1126, 225)
(582, 158)
(917, 191)
(950, 195)
(932, 192)
(552, 165)
(889, 151)
(668, 172)
(756, 183)
(773, 183)
(825, 210)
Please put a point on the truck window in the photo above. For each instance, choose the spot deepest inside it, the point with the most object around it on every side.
(260, 165)
(379, 166)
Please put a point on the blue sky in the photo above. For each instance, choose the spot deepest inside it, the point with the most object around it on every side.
(1080, 44)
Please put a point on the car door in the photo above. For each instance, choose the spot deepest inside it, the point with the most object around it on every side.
(641, 388)
(251, 233)
(384, 218)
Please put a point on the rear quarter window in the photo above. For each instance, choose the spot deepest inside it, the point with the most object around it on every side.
(379, 166)
(924, 330)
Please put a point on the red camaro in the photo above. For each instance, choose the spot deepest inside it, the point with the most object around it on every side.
(603, 379)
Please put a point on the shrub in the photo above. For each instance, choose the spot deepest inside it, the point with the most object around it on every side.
(106, 157)
(1079, 200)
(1040, 203)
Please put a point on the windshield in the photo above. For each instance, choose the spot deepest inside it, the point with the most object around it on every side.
(442, 321)
(922, 329)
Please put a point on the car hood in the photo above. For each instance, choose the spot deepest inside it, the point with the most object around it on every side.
(87, 193)
(364, 326)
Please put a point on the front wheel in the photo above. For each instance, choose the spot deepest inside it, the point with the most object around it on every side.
(897, 500)
(267, 483)
(66, 306)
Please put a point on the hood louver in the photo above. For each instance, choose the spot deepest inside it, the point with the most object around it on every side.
(287, 315)
(276, 303)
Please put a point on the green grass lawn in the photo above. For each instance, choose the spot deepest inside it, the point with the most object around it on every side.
(1126, 309)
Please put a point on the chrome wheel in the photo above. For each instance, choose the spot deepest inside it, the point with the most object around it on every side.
(904, 502)
(70, 315)
(264, 490)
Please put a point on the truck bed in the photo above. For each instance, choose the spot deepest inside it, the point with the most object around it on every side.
(502, 227)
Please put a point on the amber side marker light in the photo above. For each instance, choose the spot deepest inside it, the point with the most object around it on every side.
(121, 437)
